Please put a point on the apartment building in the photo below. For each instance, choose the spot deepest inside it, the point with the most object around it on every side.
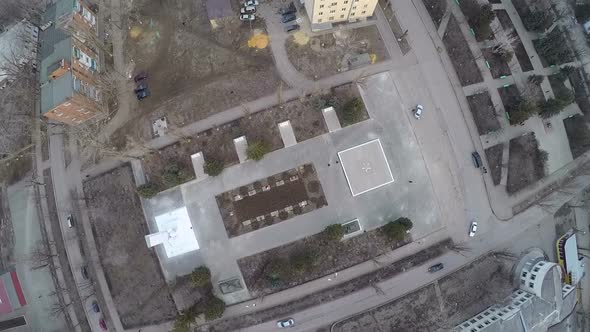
(70, 91)
(324, 13)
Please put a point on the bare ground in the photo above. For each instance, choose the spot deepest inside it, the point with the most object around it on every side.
(522, 56)
(194, 71)
(324, 55)
(330, 294)
(494, 157)
(510, 97)
(578, 134)
(331, 256)
(525, 163)
(498, 67)
(505, 20)
(483, 112)
(436, 9)
(461, 55)
(461, 295)
(132, 271)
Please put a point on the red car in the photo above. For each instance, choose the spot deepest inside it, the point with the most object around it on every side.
(102, 324)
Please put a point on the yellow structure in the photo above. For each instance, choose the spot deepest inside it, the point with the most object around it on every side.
(323, 13)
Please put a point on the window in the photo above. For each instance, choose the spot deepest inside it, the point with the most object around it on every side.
(343, 9)
(363, 12)
(334, 4)
(365, 6)
(332, 11)
(351, 14)
(321, 6)
(77, 6)
(342, 16)
(320, 20)
(76, 53)
(353, 7)
(321, 13)
(346, 2)
(331, 18)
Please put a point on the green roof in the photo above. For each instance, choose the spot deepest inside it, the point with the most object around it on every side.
(56, 91)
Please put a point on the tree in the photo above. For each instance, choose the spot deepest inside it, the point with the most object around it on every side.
(214, 308)
(303, 260)
(523, 110)
(41, 255)
(184, 321)
(518, 118)
(536, 79)
(201, 276)
(352, 111)
(394, 231)
(537, 20)
(174, 175)
(278, 268)
(213, 167)
(479, 18)
(555, 105)
(552, 47)
(257, 150)
(407, 223)
(148, 190)
(333, 232)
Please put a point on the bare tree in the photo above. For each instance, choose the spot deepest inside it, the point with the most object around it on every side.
(41, 255)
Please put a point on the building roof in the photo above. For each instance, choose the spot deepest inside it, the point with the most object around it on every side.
(179, 235)
(56, 91)
(219, 9)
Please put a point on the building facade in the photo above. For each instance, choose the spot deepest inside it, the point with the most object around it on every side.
(324, 13)
(18, 48)
(70, 63)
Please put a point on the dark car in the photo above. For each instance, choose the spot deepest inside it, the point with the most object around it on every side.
(288, 10)
(288, 18)
(142, 94)
(84, 272)
(102, 324)
(476, 159)
(141, 86)
(95, 307)
(140, 77)
(291, 28)
(436, 267)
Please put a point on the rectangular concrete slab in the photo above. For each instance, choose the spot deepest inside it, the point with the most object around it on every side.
(198, 162)
(365, 167)
(287, 133)
(241, 146)
(331, 119)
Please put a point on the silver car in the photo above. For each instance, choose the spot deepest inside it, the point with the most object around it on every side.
(418, 111)
(247, 17)
(289, 322)
(472, 228)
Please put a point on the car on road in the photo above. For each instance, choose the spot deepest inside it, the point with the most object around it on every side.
(472, 228)
(289, 322)
(476, 159)
(436, 267)
(84, 272)
(95, 307)
(141, 86)
(418, 111)
(251, 3)
(70, 221)
(288, 18)
(248, 10)
(291, 28)
(247, 17)
(142, 94)
(102, 324)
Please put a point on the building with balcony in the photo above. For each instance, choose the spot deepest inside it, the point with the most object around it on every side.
(70, 63)
(324, 13)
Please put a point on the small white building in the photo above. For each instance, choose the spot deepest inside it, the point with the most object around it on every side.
(18, 47)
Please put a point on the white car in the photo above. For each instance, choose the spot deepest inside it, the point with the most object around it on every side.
(248, 9)
(251, 3)
(472, 228)
(418, 111)
(289, 322)
(247, 17)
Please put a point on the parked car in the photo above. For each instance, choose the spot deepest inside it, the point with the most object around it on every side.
(251, 3)
(289, 322)
(95, 307)
(291, 28)
(418, 111)
(248, 10)
(247, 17)
(142, 94)
(140, 77)
(142, 86)
(102, 324)
(436, 267)
(288, 18)
(472, 228)
(288, 10)
(70, 221)
(84, 272)
(476, 159)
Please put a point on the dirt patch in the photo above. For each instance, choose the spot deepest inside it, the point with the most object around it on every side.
(271, 200)
(331, 256)
(398, 32)
(132, 271)
(483, 112)
(498, 66)
(328, 54)
(461, 296)
(526, 163)
(581, 97)
(505, 20)
(552, 50)
(578, 135)
(522, 56)
(534, 92)
(460, 55)
(494, 157)
(189, 63)
(510, 97)
(61, 251)
(332, 293)
(558, 85)
(436, 9)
